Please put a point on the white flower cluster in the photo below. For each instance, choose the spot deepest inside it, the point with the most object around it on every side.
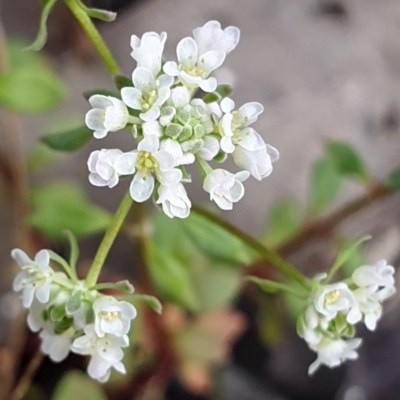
(327, 325)
(173, 129)
(70, 317)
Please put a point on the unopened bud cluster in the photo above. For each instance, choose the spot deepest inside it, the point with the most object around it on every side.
(328, 323)
(72, 317)
(173, 129)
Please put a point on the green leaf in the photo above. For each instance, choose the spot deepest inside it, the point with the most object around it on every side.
(41, 38)
(344, 254)
(216, 287)
(393, 181)
(77, 385)
(18, 55)
(122, 286)
(284, 221)
(274, 287)
(347, 161)
(103, 92)
(31, 89)
(68, 141)
(170, 276)
(216, 242)
(211, 97)
(325, 184)
(57, 313)
(122, 81)
(151, 301)
(74, 255)
(224, 90)
(61, 206)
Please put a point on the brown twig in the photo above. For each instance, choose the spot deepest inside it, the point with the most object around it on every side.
(324, 227)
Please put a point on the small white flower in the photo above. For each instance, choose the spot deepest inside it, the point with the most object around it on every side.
(210, 148)
(147, 51)
(332, 353)
(112, 316)
(308, 326)
(334, 298)
(106, 352)
(380, 274)
(234, 126)
(144, 162)
(55, 346)
(224, 187)
(369, 300)
(35, 317)
(258, 162)
(35, 278)
(211, 37)
(174, 200)
(148, 93)
(101, 167)
(193, 68)
(109, 114)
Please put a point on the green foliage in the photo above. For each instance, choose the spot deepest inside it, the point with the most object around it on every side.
(122, 81)
(212, 283)
(77, 385)
(211, 97)
(215, 242)
(61, 206)
(171, 276)
(68, 141)
(325, 184)
(74, 254)
(122, 286)
(224, 90)
(284, 221)
(151, 301)
(344, 255)
(393, 180)
(41, 38)
(31, 89)
(356, 259)
(347, 161)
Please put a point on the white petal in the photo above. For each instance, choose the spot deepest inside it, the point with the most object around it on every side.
(100, 134)
(171, 177)
(180, 96)
(211, 60)
(171, 68)
(166, 160)
(43, 293)
(233, 36)
(141, 187)
(131, 97)
(94, 119)
(163, 95)
(152, 128)
(99, 101)
(149, 143)
(187, 52)
(226, 145)
(273, 153)
(125, 164)
(42, 258)
(208, 85)
(96, 180)
(223, 203)
(27, 297)
(151, 115)
(21, 257)
(165, 80)
(143, 78)
(251, 140)
(227, 105)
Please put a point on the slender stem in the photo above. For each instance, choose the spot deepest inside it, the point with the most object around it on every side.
(273, 258)
(69, 270)
(94, 36)
(108, 240)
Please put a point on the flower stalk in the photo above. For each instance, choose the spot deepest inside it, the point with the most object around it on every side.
(108, 240)
(94, 36)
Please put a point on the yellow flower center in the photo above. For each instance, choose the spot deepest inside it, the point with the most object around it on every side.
(109, 315)
(146, 162)
(331, 297)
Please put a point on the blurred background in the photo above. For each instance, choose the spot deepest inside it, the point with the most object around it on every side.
(323, 69)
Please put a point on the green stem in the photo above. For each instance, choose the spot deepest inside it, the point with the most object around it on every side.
(68, 269)
(268, 255)
(108, 240)
(94, 36)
